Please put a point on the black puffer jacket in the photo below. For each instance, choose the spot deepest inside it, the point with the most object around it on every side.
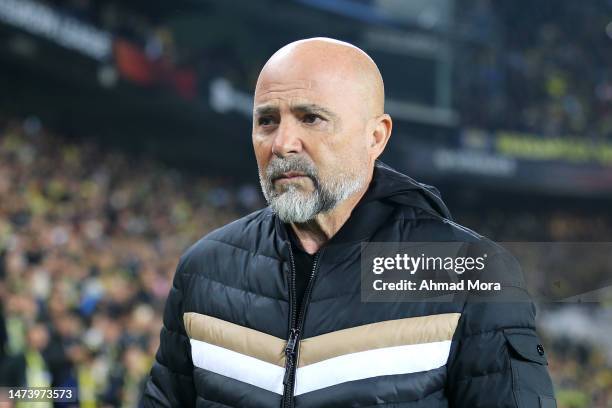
(232, 336)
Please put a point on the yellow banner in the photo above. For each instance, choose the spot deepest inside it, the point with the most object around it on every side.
(533, 147)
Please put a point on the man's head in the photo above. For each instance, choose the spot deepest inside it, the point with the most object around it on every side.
(318, 126)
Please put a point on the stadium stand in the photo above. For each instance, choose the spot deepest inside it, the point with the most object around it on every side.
(88, 243)
(542, 70)
(90, 235)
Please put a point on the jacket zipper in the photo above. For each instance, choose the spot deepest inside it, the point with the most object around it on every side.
(297, 321)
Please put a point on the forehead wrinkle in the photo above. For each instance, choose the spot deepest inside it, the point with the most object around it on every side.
(275, 103)
(284, 86)
(280, 91)
(273, 99)
(298, 83)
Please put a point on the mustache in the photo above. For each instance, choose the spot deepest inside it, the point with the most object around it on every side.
(278, 166)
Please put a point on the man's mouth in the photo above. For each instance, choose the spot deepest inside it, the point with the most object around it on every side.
(290, 175)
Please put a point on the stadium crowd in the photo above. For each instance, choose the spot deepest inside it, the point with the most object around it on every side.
(541, 70)
(541, 226)
(88, 244)
(581, 372)
(89, 239)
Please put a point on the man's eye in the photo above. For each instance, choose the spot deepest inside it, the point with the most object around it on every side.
(311, 118)
(265, 121)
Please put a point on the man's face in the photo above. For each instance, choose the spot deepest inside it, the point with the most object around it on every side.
(309, 139)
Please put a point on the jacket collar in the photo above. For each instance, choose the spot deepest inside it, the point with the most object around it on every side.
(388, 190)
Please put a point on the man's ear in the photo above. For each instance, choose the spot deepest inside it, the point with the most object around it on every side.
(380, 134)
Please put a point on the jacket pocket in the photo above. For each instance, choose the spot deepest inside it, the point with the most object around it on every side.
(531, 383)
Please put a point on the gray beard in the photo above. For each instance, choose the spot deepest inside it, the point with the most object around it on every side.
(294, 205)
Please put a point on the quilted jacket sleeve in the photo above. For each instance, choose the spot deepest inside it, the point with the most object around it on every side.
(497, 359)
(171, 379)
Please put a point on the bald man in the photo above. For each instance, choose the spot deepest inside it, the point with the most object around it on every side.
(267, 311)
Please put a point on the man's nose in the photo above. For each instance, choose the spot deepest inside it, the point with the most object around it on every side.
(286, 140)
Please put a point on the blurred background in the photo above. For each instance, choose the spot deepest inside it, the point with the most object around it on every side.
(125, 136)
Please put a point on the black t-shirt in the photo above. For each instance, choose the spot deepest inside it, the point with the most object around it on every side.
(303, 268)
